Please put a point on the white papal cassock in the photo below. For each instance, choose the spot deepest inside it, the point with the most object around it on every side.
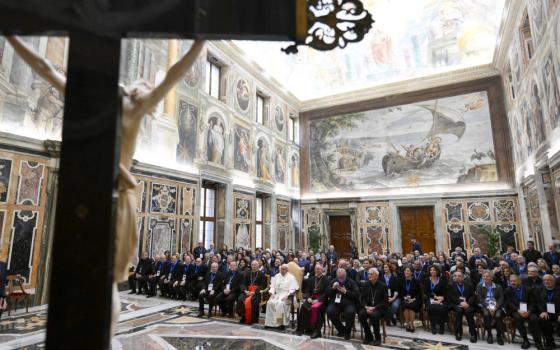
(277, 310)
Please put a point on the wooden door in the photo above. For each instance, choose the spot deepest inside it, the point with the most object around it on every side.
(341, 235)
(418, 222)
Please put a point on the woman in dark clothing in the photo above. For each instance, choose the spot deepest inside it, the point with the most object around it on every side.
(435, 288)
(392, 283)
(410, 293)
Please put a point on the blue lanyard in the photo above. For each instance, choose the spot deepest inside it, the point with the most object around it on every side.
(186, 268)
(212, 277)
(433, 286)
(407, 286)
(490, 292)
(196, 269)
(461, 289)
(365, 275)
(232, 277)
(387, 280)
(519, 292)
(550, 295)
(417, 276)
(174, 266)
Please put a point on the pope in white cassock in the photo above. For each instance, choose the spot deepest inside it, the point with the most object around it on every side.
(278, 306)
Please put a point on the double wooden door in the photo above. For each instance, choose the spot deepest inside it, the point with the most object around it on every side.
(418, 223)
(341, 235)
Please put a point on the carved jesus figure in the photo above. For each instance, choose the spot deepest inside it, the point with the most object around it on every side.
(139, 100)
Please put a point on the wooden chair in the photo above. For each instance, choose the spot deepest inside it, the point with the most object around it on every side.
(451, 321)
(16, 293)
(509, 329)
(297, 272)
(264, 294)
(479, 323)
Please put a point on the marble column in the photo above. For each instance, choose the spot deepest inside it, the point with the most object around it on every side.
(41, 287)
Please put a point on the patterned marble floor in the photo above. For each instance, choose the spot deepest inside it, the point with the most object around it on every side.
(159, 324)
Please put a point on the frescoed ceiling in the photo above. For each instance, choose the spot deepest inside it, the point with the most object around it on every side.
(409, 39)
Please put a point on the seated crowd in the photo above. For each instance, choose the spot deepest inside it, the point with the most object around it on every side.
(434, 288)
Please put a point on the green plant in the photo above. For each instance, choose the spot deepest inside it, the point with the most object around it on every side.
(314, 236)
(493, 242)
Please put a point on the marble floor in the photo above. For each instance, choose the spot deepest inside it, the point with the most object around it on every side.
(161, 324)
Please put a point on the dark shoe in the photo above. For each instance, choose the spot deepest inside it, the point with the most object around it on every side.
(500, 340)
(241, 321)
(132, 292)
(474, 338)
(340, 335)
(282, 327)
(441, 329)
(434, 331)
(149, 296)
(315, 335)
(526, 344)
(367, 341)
(200, 314)
(458, 337)
(299, 333)
(209, 314)
(490, 339)
(376, 342)
(347, 336)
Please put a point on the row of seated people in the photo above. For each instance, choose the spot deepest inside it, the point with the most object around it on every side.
(411, 291)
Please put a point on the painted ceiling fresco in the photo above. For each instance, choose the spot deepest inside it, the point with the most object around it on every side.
(410, 38)
(436, 142)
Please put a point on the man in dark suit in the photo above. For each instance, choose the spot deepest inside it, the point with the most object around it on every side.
(250, 296)
(521, 306)
(140, 276)
(416, 246)
(374, 304)
(173, 275)
(552, 257)
(343, 295)
(183, 287)
(197, 277)
(531, 254)
(462, 300)
(212, 285)
(311, 313)
(161, 271)
(547, 298)
(231, 289)
(199, 251)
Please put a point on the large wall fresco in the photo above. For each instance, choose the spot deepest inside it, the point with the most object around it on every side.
(443, 141)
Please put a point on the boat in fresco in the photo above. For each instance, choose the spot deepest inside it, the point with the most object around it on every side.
(445, 121)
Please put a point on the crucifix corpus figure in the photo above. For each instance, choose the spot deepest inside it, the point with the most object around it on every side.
(139, 100)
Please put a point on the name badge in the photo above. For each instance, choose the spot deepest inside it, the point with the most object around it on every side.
(550, 308)
(210, 287)
(184, 277)
(157, 273)
(140, 270)
(522, 307)
(432, 301)
(201, 255)
(338, 298)
(169, 276)
(227, 286)
(389, 291)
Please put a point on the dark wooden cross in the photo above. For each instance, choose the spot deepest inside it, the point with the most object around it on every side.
(81, 283)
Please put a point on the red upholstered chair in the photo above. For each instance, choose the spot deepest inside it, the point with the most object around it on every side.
(16, 292)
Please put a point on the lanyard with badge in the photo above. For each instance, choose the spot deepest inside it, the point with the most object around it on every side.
(550, 307)
(230, 279)
(522, 305)
(433, 289)
(490, 301)
(159, 270)
(185, 270)
(461, 289)
(387, 282)
(211, 284)
(407, 287)
(338, 297)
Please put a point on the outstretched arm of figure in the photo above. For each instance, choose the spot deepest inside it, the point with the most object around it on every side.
(40, 65)
(174, 75)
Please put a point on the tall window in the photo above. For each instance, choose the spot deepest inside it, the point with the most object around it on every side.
(260, 109)
(291, 129)
(207, 224)
(259, 223)
(212, 78)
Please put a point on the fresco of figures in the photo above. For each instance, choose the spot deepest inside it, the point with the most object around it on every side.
(243, 95)
(443, 141)
(279, 119)
(409, 39)
(188, 120)
(242, 145)
(263, 160)
(280, 164)
(294, 167)
(215, 139)
(551, 83)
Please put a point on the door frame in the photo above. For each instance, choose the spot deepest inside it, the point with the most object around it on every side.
(437, 205)
(326, 239)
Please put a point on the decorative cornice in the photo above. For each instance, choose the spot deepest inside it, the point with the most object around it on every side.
(401, 87)
(512, 12)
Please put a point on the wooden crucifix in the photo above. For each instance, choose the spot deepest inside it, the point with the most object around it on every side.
(92, 165)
